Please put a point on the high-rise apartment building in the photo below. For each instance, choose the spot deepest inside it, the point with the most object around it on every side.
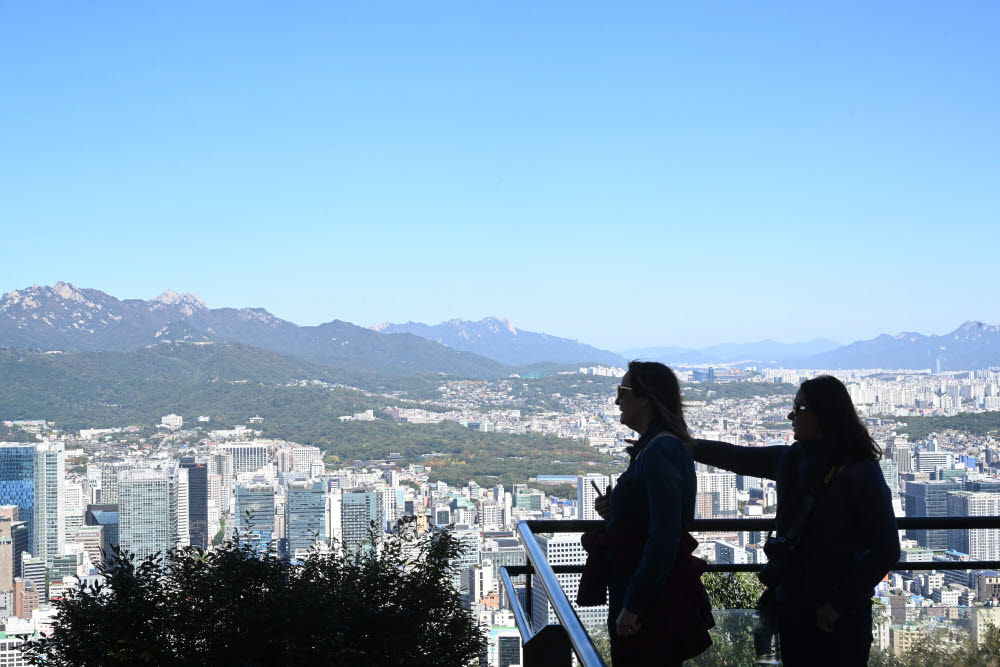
(147, 503)
(722, 487)
(586, 494)
(197, 474)
(562, 549)
(50, 518)
(305, 517)
(978, 544)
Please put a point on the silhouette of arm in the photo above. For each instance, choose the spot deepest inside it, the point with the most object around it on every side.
(749, 461)
(872, 509)
(663, 483)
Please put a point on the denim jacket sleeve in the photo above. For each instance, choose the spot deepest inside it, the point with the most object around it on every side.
(752, 461)
(663, 485)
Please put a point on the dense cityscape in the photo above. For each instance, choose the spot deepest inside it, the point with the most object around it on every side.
(69, 498)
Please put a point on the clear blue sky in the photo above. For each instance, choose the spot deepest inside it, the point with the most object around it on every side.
(624, 173)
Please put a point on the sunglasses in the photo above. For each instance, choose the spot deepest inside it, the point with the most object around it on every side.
(622, 388)
(799, 408)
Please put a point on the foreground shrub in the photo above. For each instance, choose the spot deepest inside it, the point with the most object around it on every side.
(392, 604)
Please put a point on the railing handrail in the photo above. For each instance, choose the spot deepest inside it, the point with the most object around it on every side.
(582, 644)
(740, 525)
(520, 620)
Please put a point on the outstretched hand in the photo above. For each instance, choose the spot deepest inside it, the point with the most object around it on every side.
(602, 504)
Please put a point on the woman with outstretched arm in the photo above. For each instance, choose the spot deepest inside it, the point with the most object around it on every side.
(836, 530)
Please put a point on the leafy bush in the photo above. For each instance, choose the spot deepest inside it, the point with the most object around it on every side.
(392, 604)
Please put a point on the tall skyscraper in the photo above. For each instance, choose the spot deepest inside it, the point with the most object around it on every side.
(255, 515)
(183, 512)
(147, 503)
(17, 483)
(197, 501)
(358, 509)
(50, 517)
(929, 499)
(305, 517)
(586, 495)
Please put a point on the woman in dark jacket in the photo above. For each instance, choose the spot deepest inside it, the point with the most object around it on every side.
(647, 550)
(848, 540)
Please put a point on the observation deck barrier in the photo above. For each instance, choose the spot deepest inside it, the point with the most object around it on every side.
(554, 645)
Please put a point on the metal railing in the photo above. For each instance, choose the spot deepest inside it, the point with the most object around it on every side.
(551, 644)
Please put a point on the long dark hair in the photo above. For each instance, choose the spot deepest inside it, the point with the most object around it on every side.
(843, 430)
(658, 384)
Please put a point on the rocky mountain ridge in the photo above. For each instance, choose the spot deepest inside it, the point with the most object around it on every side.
(70, 318)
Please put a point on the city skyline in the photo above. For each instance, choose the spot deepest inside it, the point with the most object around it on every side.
(605, 174)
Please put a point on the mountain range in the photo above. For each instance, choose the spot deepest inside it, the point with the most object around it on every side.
(498, 339)
(972, 346)
(68, 318)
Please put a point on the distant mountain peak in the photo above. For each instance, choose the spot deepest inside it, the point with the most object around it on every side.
(68, 291)
(172, 298)
(499, 323)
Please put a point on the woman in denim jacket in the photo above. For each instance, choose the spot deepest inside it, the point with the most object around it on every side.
(653, 501)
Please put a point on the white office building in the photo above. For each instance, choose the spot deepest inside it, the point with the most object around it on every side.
(247, 457)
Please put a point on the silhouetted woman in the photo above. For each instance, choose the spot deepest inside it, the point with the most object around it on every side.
(659, 613)
(830, 484)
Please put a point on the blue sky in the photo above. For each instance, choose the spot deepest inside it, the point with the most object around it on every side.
(628, 174)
